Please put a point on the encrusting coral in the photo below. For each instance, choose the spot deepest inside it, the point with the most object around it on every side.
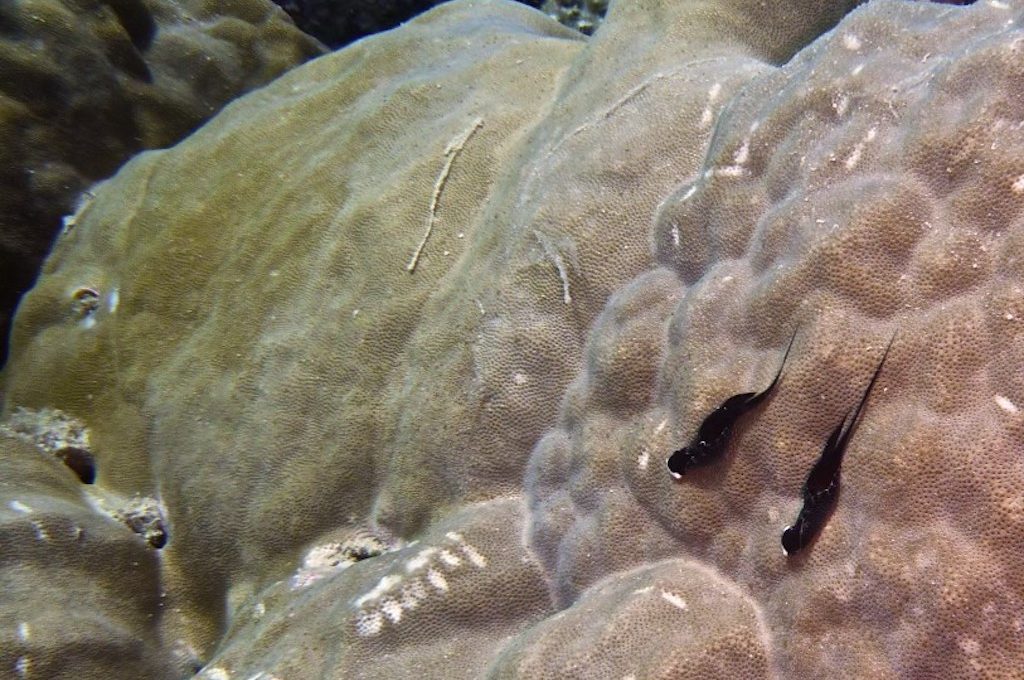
(494, 277)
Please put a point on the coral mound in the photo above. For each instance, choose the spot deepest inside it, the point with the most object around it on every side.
(398, 346)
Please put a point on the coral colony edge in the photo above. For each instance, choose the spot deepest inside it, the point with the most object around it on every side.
(380, 372)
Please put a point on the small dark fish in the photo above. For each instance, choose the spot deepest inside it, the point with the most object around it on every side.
(713, 434)
(821, 490)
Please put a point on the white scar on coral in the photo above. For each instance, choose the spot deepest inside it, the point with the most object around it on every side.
(394, 595)
(1005, 404)
(674, 600)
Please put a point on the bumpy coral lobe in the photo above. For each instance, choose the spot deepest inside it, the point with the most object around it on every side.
(847, 205)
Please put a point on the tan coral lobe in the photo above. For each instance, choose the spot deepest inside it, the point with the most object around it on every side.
(401, 342)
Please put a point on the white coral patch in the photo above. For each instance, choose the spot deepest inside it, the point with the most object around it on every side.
(392, 609)
(852, 42)
(421, 560)
(474, 555)
(19, 507)
(674, 600)
(369, 624)
(382, 587)
(1006, 404)
(643, 459)
(41, 531)
(437, 580)
(450, 558)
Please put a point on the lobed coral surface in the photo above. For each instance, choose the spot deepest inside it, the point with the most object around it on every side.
(404, 387)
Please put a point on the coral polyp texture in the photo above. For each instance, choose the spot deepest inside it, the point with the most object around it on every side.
(380, 369)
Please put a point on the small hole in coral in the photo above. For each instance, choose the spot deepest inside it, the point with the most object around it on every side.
(80, 461)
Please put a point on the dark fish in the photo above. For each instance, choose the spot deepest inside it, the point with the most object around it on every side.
(822, 486)
(713, 434)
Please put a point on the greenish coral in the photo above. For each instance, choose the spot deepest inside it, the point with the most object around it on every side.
(495, 276)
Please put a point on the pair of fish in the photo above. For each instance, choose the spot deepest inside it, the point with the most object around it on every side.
(820, 490)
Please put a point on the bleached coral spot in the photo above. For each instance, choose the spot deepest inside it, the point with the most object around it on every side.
(474, 555)
(437, 580)
(392, 609)
(643, 459)
(19, 507)
(674, 600)
(382, 587)
(852, 42)
(421, 560)
(450, 558)
(369, 624)
(1005, 404)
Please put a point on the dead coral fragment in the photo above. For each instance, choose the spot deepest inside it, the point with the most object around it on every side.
(144, 515)
(56, 433)
(335, 556)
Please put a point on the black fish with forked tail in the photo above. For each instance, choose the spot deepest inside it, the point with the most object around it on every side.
(821, 490)
(713, 434)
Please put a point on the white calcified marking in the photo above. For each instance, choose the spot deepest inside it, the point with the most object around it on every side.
(454, 536)
(40, 531)
(421, 560)
(643, 591)
(689, 192)
(217, 673)
(383, 586)
(840, 102)
(1018, 184)
(661, 426)
(854, 158)
(392, 609)
(24, 631)
(556, 257)
(1006, 404)
(708, 115)
(729, 171)
(258, 611)
(437, 580)
(450, 558)
(675, 234)
(998, 4)
(851, 42)
(369, 624)
(475, 557)
(19, 507)
(743, 153)
(520, 379)
(113, 299)
(969, 646)
(857, 69)
(451, 152)
(23, 665)
(643, 459)
(674, 600)
(412, 594)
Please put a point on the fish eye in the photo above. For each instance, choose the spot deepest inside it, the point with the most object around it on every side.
(790, 541)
